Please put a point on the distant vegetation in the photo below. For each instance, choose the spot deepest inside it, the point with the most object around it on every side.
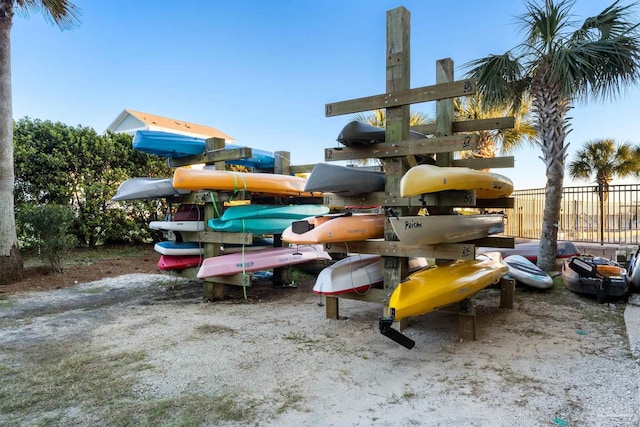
(57, 164)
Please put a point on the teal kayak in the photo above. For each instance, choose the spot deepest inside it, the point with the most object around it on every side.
(251, 225)
(273, 211)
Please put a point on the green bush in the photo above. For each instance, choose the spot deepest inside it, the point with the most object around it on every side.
(49, 226)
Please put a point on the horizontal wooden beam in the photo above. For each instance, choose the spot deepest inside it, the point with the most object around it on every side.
(445, 198)
(470, 125)
(442, 144)
(397, 249)
(494, 242)
(238, 279)
(485, 163)
(380, 296)
(500, 203)
(211, 157)
(217, 237)
(411, 96)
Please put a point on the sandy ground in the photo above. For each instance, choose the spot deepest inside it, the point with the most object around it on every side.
(555, 359)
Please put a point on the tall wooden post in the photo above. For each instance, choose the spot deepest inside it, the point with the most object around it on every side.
(397, 124)
(213, 291)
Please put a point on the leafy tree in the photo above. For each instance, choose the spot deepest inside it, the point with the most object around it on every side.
(74, 166)
(556, 65)
(50, 225)
(602, 160)
(490, 141)
(64, 14)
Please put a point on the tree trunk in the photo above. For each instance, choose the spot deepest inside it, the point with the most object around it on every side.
(551, 110)
(11, 264)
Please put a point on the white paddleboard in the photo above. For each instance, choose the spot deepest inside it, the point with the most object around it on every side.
(527, 273)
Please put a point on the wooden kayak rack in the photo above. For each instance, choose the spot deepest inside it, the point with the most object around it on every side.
(398, 153)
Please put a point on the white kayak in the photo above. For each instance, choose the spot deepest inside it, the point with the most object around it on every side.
(356, 273)
(434, 229)
(177, 225)
(527, 273)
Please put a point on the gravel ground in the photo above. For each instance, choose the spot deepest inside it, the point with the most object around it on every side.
(556, 359)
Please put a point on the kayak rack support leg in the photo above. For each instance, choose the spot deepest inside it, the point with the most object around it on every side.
(467, 320)
(507, 290)
(331, 308)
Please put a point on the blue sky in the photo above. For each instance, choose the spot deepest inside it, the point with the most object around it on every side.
(262, 71)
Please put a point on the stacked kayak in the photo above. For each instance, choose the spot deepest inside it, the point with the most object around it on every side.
(261, 183)
(178, 248)
(434, 229)
(172, 145)
(356, 273)
(357, 134)
(335, 228)
(263, 219)
(343, 180)
(188, 217)
(423, 179)
(179, 262)
(259, 260)
(147, 188)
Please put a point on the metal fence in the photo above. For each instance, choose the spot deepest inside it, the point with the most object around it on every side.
(580, 218)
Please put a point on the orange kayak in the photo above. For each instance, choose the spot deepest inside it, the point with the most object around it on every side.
(335, 228)
(263, 183)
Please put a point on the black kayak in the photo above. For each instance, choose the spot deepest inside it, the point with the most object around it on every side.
(357, 133)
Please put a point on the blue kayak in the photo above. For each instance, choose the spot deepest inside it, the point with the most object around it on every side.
(174, 146)
(251, 225)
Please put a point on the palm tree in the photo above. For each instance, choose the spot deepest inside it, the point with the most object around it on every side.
(602, 160)
(556, 65)
(489, 141)
(64, 14)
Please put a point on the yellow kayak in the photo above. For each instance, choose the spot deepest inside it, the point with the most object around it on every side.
(440, 286)
(263, 183)
(335, 228)
(430, 179)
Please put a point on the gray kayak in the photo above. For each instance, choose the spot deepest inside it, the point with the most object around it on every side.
(344, 180)
(146, 188)
(357, 133)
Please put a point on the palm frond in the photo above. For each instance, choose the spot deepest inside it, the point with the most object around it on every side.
(63, 13)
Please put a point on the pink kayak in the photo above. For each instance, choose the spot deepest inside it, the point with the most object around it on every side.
(260, 260)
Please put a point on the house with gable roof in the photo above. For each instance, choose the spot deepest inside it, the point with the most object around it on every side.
(129, 121)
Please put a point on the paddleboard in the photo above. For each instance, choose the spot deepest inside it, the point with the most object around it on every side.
(430, 179)
(527, 273)
(335, 228)
(262, 183)
(259, 260)
(434, 229)
(174, 248)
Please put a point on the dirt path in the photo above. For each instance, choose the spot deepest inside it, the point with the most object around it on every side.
(136, 349)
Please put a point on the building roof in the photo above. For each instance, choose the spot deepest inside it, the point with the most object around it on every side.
(124, 123)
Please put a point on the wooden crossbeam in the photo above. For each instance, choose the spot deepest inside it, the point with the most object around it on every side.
(500, 203)
(470, 125)
(217, 237)
(211, 157)
(448, 198)
(412, 96)
(403, 148)
(485, 163)
(397, 249)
